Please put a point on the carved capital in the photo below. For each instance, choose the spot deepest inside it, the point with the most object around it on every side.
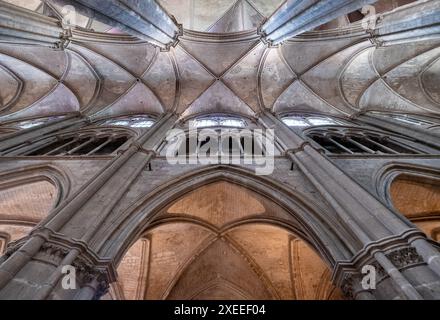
(347, 286)
(89, 274)
(405, 257)
(53, 251)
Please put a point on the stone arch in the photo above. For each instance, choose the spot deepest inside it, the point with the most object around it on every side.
(326, 235)
(28, 196)
(413, 191)
(87, 141)
(179, 247)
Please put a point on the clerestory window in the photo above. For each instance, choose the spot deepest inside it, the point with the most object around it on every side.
(131, 122)
(218, 121)
(345, 141)
(305, 121)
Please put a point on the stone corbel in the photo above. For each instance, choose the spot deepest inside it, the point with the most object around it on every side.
(176, 36)
(299, 149)
(372, 32)
(263, 38)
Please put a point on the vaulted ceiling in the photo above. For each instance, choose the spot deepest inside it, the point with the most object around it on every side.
(222, 242)
(336, 71)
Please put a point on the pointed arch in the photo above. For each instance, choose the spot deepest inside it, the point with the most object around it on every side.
(327, 236)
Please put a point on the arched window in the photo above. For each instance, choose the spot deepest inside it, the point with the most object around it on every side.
(24, 202)
(87, 143)
(132, 122)
(343, 140)
(304, 121)
(218, 121)
(417, 197)
(221, 135)
(412, 120)
(27, 124)
(229, 143)
(429, 123)
(11, 127)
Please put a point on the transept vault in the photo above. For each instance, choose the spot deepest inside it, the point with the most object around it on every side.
(341, 98)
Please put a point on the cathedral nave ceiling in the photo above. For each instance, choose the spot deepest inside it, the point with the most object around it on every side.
(335, 71)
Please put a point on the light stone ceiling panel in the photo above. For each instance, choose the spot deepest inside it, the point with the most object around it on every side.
(10, 87)
(14, 231)
(266, 7)
(100, 27)
(58, 101)
(202, 15)
(276, 77)
(218, 57)
(114, 80)
(431, 80)
(197, 14)
(301, 56)
(134, 58)
(206, 12)
(298, 97)
(53, 62)
(404, 79)
(358, 76)
(322, 78)
(193, 78)
(243, 77)
(161, 78)
(242, 16)
(179, 257)
(182, 10)
(219, 204)
(380, 97)
(388, 58)
(240, 276)
(172, 247)
(218, 99)
(37, 82)
(139, 99)
(270, 252)
(311, 276)
(133, 270)
(28, 4)
(81, 80)
(30, 202)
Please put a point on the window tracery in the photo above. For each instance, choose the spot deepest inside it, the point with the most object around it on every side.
(90, 142)
(344, 140)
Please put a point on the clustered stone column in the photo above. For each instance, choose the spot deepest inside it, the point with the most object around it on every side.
(409, 266)
(298, 16)
(146, 20)
(21, 25)
(32, 267)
